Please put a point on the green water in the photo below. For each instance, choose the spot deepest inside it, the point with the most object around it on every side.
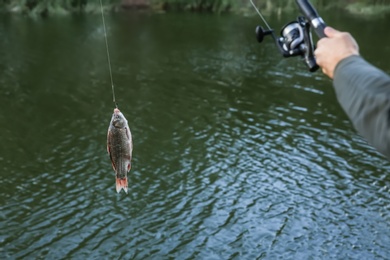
(238, 153)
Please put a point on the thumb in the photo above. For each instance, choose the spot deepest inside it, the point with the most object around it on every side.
(330, 32)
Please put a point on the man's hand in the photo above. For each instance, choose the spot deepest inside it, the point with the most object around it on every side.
(331, 50)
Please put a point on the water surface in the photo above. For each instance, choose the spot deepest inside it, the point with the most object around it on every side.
(238, 153)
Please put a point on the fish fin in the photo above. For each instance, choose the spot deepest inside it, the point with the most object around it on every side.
(112, 161)
(121, 184)
(113, 165)
(108, 141)
(127, 131)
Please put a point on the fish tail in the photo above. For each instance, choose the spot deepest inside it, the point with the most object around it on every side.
(121, 183)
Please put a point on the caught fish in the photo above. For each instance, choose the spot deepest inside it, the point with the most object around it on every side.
(120, 148)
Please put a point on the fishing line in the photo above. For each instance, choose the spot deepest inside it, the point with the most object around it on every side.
(108, 55)
(261, 16)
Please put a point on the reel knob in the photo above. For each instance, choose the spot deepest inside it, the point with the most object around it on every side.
(260, 33)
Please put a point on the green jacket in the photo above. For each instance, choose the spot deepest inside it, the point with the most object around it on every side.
(364, 93)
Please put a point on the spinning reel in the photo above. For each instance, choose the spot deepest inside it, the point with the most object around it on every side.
(295, 37)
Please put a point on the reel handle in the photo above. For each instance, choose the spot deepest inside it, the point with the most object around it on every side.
(311, 14)
(260, 33)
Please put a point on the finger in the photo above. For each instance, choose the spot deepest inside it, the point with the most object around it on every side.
(330, 31)
(324, 71)
(317, 53)
(320, 46)
(319, 61)
(322, 41)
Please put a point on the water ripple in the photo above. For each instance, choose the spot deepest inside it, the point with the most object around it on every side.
(237, 155)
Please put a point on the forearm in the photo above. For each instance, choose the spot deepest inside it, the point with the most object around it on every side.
(364, 93)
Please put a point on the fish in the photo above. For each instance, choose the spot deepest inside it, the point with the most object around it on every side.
(120, 148)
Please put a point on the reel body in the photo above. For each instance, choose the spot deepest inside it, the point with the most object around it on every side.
(295, 40)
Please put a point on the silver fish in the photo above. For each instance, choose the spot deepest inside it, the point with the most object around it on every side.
(120, 148)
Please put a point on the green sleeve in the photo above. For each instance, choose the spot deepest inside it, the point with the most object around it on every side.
(364, 93)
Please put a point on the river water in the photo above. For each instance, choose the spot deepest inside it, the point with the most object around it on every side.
(238, 153)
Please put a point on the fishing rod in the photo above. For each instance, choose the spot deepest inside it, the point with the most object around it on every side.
(295, 37)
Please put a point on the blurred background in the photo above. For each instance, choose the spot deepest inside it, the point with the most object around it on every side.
(239, 153)
(45, 7)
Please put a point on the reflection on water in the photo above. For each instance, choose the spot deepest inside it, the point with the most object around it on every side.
(238, 154)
